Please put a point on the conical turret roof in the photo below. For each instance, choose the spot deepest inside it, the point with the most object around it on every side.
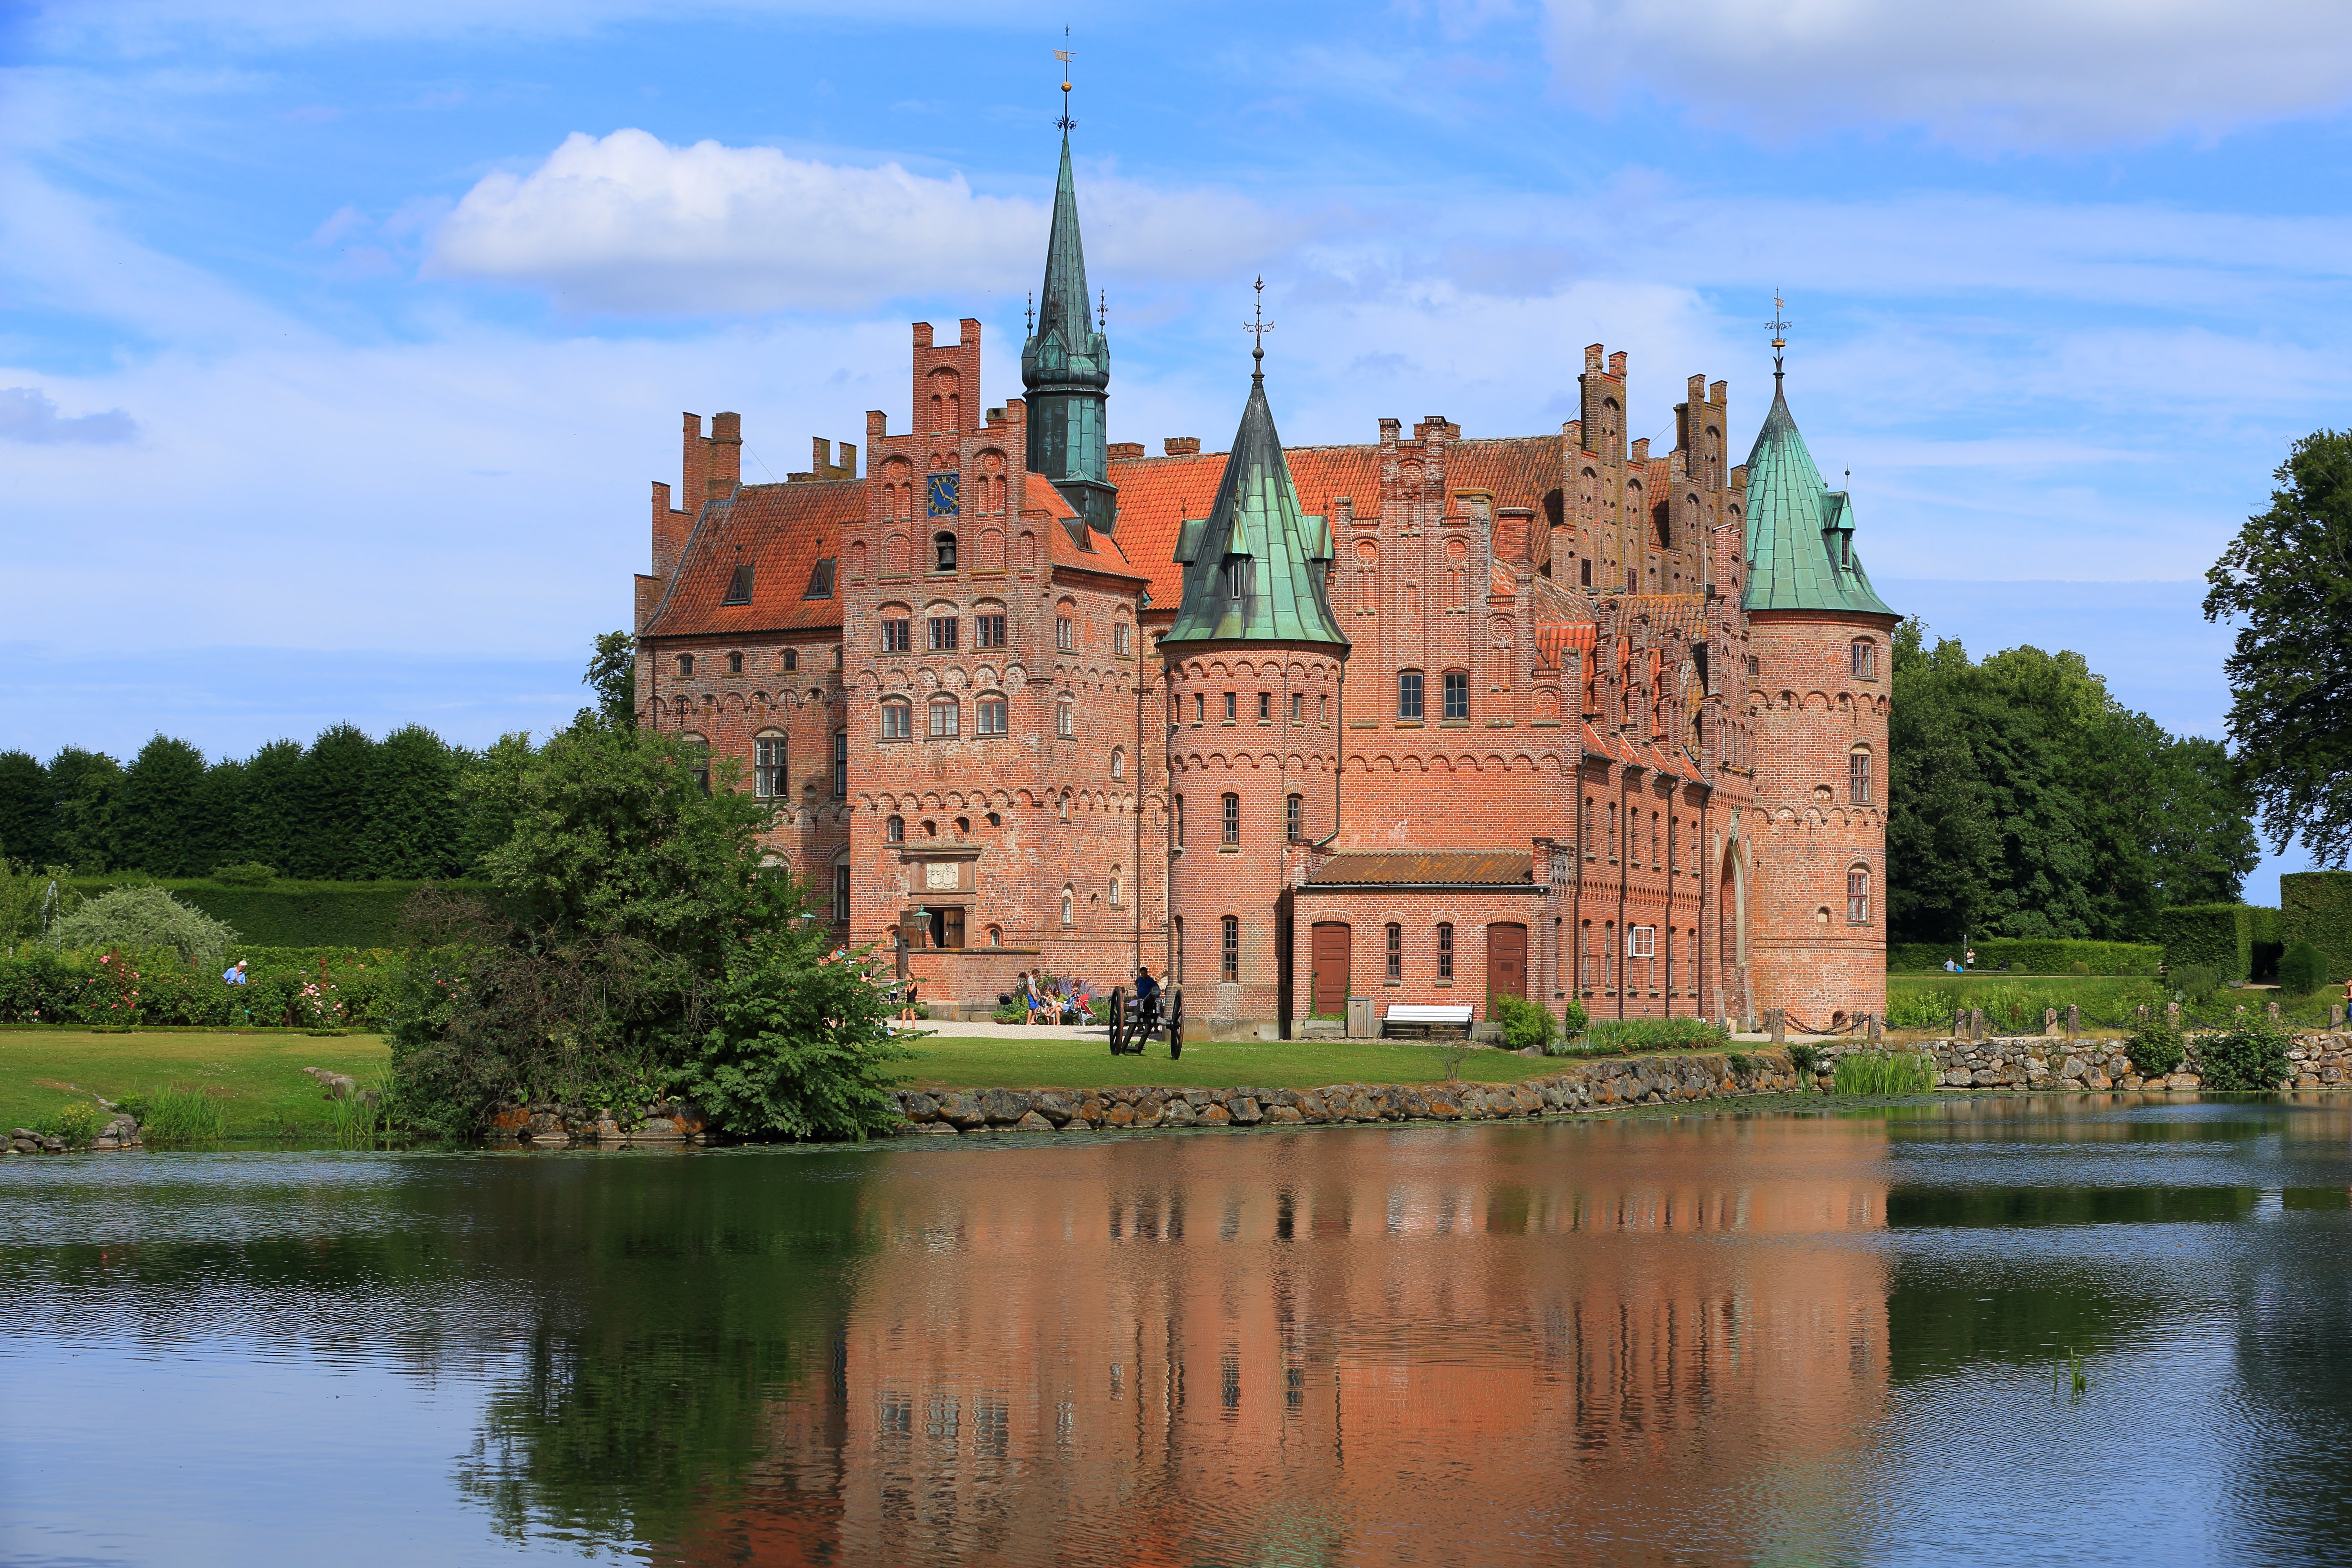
(1256, 567)
(1799, 532)
(1065, 350)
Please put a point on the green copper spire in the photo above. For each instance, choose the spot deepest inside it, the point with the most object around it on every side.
(1065, 369)
(1255, 568)
(1799, 532)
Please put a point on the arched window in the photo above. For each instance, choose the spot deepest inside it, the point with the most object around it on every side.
(990, 714)
(1118, 762)
(768, 764)
(1409, 694)
(686, 663)
(1857, 896)
(1122, 639)
(897, 718)
(1069, 906)
(1065, 719)
(1117, 887)
(1857, 775)
(1229, 957)
(1294, 815)
(1062, 802)
(996, 936)
(943, 551)
(792, 660)
(895, 830)
(1232, 818)
(1395, 950)
(1863, 657)
(1445, 950)
(946, 719)
(734, 664)
(697, 757)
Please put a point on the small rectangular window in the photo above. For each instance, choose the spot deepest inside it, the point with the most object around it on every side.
(1298, 708)
(1445, 950)
(943, 634)
(1200, 709)
(791, 660)
(1641, 941)
(1233, 819)
(1409, 694)
(1176, 819)
(768, 765)
(1294, 812)
(686, 663)
(1229, 958)
(991, 715)
(1857, 777)
(988, 631)
(1266, 707)
(1122, 639)
(897, 722)
(841, 772)
(841, 895)
(1232, 707)
(944, 715)
(1395, 951)
(897, 635)
(734, 664)
(739, 587)
(1457, 694)
(1066, 632)
(1857, 896)
(1065, 721)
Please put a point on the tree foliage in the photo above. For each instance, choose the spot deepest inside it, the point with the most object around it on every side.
(613, 677)
(2287, 579)
(2025, 801)
(143, 920)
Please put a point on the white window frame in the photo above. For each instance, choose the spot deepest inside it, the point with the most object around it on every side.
(1641, 941)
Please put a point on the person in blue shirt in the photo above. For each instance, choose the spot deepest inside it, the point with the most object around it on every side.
(234, 975)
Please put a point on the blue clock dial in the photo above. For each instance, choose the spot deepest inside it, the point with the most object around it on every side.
(943, 495)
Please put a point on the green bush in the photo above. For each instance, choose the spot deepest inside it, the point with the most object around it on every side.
(142, 919)
(282, 913)
(1525, 1024)
(1928, 1009)
(1805, 1060)
(1624, 1034)
(2220, 937)
(2155, 1048)
(249, 874)
(2198, 983)
(1740, 1063)
(1876, 1072)
(78, 1125)
(2317, 906)
(2303, 970)
(177, 1117)
(2251, 1056)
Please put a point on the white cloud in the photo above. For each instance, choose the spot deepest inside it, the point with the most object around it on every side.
(1988, 75)
(27, 415)
(629, 224)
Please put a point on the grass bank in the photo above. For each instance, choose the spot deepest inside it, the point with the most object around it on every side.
(1921, 1005)
(256, 1079)
(944, 1062)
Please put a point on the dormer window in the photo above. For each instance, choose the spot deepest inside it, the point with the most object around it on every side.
(739, 587)
(1237, 578)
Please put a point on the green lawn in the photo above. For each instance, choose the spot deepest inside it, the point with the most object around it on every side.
(260, 1077)
(947, 1063)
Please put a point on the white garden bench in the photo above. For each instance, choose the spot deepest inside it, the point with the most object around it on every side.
(1425, 1019)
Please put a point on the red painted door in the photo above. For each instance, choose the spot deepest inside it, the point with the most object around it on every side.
(1330, 946)
(1507, 963)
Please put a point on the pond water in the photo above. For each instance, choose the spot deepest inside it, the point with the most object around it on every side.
(1768, 1337)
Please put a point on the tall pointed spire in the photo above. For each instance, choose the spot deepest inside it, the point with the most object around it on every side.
(1799, 532)
(1065, 362)
(1256, 568)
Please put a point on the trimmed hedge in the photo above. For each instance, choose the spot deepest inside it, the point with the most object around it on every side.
(2317, 906)
(2219, 937)
(298, 914)
(2029, 955)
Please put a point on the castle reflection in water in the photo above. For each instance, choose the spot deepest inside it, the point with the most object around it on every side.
(1429, 1345)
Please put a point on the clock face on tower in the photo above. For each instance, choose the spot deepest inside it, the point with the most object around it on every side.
(943, 495)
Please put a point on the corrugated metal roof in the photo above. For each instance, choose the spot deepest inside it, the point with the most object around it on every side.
(1450, 868)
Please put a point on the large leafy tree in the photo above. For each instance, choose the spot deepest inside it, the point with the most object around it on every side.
(28, 809)
(162, 828)
(84, 786)
(613, 677)
(2287, 579)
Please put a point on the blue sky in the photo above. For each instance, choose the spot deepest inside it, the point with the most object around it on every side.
(339, 339)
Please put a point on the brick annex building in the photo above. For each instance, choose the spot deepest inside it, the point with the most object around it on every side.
(1613, 721)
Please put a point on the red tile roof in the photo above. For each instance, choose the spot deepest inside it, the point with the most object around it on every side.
(781, 532)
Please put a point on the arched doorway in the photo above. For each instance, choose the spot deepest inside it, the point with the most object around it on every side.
(1732, 907)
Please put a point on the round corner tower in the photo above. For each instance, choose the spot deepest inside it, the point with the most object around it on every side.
(1254, 662)
(1820, 666)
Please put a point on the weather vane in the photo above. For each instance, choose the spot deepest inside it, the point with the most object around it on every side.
(1065, 55)
(1779, 339)
(1029, 311)
(1258, 327)
(1102, 312)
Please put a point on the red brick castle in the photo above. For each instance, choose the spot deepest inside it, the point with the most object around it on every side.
(1545, 715)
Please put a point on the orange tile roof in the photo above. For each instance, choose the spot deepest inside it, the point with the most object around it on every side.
(1068, 543)
(781, 532)
(1157, 494)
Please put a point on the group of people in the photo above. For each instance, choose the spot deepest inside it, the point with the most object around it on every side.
(1044, 1000)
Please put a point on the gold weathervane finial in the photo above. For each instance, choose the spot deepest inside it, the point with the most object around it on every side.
(1065, 55)
(1258, 327)
(1779, 339)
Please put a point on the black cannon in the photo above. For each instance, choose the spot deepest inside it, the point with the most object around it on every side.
(1131, 1024)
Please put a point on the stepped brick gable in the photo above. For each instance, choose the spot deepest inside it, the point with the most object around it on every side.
(1436, 718)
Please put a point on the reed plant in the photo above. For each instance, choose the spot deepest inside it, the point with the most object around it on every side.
(1879, 1073)
(180, 1117)
(357, 1122)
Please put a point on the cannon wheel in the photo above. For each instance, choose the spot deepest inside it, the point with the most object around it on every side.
(1176, 1026)
(1118, 1023)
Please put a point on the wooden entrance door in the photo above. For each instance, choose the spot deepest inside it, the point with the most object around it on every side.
(1332, 943)
(1507, 963)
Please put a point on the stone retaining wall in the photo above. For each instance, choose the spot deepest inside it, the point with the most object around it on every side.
(2319, 1060)
(549, 1125)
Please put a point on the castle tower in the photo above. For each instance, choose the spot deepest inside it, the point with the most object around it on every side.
(1821, 664)
(1065, 369)
(1255, 662)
